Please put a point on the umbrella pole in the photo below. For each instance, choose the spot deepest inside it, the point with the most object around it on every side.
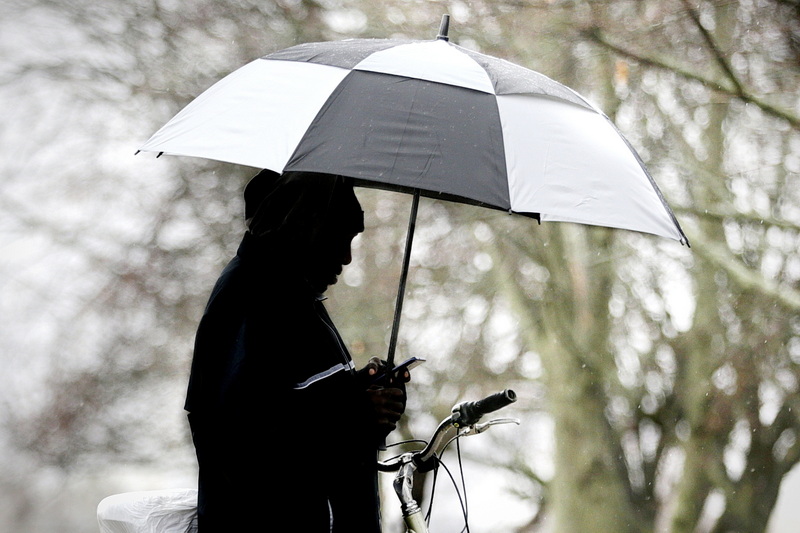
(401, 291)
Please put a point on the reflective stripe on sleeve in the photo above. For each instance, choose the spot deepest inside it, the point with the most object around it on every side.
(325, 374)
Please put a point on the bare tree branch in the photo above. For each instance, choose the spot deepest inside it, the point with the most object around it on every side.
(719, 255)
(737, 91)
(716, 53)
(722, 214)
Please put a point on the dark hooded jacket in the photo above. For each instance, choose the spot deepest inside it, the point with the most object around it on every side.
(279, 416)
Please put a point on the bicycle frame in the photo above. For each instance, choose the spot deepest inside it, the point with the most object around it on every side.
(463, 422)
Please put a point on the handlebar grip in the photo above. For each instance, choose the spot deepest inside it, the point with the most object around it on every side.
(471, 412)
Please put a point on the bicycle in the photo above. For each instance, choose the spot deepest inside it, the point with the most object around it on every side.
(174, 510)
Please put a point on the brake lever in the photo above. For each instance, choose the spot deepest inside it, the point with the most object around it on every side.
(480, 428)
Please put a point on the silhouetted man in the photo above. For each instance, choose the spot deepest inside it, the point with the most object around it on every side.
(285, 429)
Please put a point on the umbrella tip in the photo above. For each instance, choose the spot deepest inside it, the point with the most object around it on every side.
(444, 27)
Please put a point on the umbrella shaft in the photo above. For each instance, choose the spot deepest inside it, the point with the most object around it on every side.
(412, 223)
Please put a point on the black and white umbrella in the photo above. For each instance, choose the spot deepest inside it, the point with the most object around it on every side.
(427, 117)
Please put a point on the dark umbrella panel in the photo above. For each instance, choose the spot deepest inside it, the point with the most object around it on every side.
(413, 148)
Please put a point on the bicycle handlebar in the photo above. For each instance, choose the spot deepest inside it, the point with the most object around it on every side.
(464, 415)
(468, 413)
(462, 422)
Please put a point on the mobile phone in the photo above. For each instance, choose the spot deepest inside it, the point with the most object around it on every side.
(408, 364)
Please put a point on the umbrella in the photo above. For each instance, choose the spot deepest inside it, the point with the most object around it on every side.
(430, 118)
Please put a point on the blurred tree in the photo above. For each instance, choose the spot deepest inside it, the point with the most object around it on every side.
(662, 421)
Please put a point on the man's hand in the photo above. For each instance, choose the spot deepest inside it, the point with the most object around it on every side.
(388, 405)
(375, 366)
(387, 396)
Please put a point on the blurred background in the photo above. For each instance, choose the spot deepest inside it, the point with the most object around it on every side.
(658, 384)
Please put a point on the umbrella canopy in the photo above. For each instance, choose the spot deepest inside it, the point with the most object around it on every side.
(425, 116)
(430, 118)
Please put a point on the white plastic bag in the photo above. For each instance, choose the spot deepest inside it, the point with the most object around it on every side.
(153, 511)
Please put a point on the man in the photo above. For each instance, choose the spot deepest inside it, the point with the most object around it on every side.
(284, 427)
